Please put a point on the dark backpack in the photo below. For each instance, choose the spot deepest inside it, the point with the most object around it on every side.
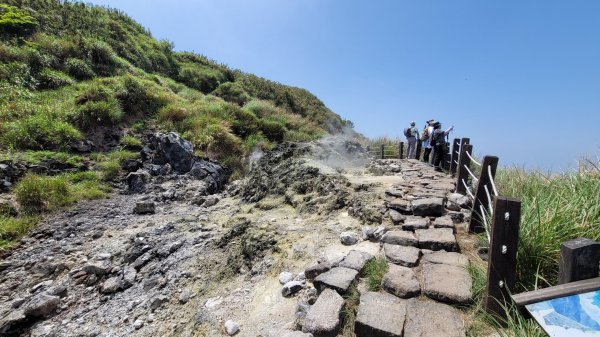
(407, 132)
(437, 137)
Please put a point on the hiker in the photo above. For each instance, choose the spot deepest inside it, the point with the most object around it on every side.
(411, 133)
(437, 142)
(425, 138)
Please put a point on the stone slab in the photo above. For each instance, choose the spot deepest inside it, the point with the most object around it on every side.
(444, 222)
(403, 255)
(447, 283)
(428, 207)
(401, 282)
(400, 205)
(355, 260)
(414, 223)
(397, 217)
(380, 315)
(402, 238)
(338, 279)
(449, 258)
(432, 319)
(324, 317)
(437, 239)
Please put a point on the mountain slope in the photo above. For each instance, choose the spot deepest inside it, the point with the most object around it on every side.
(70, 71)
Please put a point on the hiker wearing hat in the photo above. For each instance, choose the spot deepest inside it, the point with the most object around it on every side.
(411, 133)
(437, 142)
(426, 137)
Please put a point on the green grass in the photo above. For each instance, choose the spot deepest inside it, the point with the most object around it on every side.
(352, 301)
(554, 209)
(13, 228)
(131, 142)
(374, 271)
(37, 157)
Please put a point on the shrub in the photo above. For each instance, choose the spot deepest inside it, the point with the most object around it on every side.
(12, 228)
(52, 79)
(131, 142)
(203, 78)
(39, 131)
(106, 112)
(273, 130)
(102, 57)
(173, 112)
(14, 21)
(19, 74)
(142, 97)
(262, 108)
(79, 69)
(37, 193)
(244, 122)
(255, 140)
(232, 92)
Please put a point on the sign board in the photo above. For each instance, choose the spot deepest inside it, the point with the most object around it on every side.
(573, 316)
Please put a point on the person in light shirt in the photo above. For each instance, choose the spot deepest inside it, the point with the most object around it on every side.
(411, 140)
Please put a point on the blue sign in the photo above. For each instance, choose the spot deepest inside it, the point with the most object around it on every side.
(572, 316)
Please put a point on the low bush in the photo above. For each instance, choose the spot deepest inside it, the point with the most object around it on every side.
(53, 79)
(131, 143)
(15, 21)
(232, 92)
(13, 228)
(36, 193)
(272, 129)
(79, 69)
(40, 131)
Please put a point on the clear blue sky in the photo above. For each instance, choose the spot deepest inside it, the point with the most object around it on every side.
(520, 78)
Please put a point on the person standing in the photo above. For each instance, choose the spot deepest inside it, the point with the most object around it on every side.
(412, 133)
(437, 142)
(426, 138)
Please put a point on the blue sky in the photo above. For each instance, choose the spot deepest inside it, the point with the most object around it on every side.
(520, 78)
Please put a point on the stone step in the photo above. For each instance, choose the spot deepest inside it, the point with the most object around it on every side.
(338, 279)
(401, 282)
(324, 317)
(402, 255)
(432, 319)
(447, 283)
(380, 315)
(437, 239)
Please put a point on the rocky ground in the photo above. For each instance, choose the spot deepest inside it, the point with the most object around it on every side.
(175, 254)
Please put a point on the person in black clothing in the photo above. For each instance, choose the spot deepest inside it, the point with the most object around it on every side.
(437, 143)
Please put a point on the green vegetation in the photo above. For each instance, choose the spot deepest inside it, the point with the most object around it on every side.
(350, 310)
(554, 209)
(374, 271)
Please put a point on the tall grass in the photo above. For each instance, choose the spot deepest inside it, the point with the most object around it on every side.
(554, 209)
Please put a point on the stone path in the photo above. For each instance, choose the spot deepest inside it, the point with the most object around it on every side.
(427, 279)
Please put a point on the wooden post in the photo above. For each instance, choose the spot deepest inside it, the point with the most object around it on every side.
(418, 151)
(502, 259)
(481, 196)
(382, 151)
(454, 157)
(578, 260)
(401, 150)
(462, 171)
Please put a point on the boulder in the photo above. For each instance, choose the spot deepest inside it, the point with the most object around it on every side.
(324, 317)
(348, 238)
(111, 285)
(136, 181)
(397, 217)
(170, 148)
(316, 270)
(213, 174)
(428, 207)
(285, 277)
(41, 305)
(380, 315)
(401, 282)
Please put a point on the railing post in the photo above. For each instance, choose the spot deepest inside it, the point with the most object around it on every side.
(502, 259)
(418, 151)
(481, 196)
(454, 157)
(382, 151)
(462, 170)
(401, 150)
(578, 260)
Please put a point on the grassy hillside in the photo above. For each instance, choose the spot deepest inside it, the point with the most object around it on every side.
(69, 71)
(73, 72)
